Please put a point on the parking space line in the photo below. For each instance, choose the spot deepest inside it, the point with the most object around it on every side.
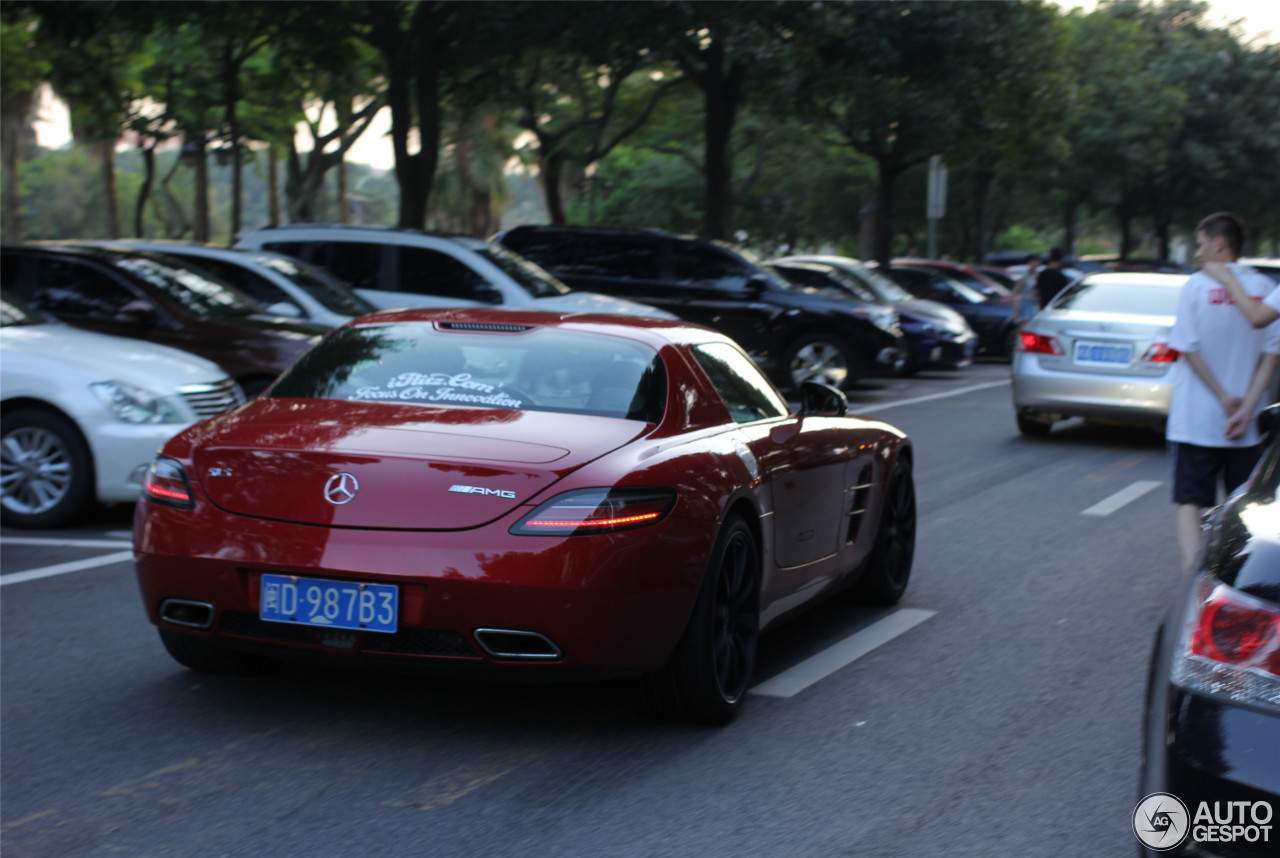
(64, 568)
(1122, 498)
(796, 679)
(856, 409)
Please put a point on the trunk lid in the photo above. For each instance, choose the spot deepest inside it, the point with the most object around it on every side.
(405, 466)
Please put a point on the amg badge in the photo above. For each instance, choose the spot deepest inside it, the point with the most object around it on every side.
(478, 490)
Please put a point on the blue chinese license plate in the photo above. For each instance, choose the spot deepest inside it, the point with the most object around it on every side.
(1103, 354)
(329, 604)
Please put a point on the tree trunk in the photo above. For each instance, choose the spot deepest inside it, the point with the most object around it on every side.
(273, 186)
(550, 172)
(107, 155)
(144, 193)
(13, 144)
(200, 227)
(720, 94)
(885, 190)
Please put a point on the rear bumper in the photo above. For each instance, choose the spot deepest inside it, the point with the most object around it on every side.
(611, 604)
(1129, 398)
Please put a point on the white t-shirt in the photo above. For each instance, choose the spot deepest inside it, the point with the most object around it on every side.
(1273, 300)
(1209, 323)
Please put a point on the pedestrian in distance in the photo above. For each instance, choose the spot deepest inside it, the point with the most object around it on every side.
(1025, 302)
(1223, 371)
(1051, 280)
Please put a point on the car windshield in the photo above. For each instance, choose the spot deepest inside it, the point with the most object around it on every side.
(319, 285)
(1142, 299)
(536, 369)
(194, 291)
(531, 278)
(883, 286)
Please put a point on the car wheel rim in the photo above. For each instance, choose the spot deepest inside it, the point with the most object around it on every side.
(899, 530)
(822, 362)
(35, 470)
(736, 621)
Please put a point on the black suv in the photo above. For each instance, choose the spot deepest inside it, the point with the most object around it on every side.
(796, 334)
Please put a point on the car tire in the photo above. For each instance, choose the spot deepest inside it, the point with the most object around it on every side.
(1032, 427)
(46, 469)
(888, 569)
(823, 358)
(707, 677)
(204, 656)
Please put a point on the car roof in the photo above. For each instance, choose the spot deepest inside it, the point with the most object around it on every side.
(653, 331)
(390, 234)
(1145, 278)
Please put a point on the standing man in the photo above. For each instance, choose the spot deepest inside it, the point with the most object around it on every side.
(1050, 281)
(1219, 381)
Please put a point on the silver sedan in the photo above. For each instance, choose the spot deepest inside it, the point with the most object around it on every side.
(1100, 351)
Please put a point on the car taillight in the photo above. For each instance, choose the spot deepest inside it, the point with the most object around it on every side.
(1231, 646)
(1039, 344)
(602, 510)
(1161, 353)
(166, 484)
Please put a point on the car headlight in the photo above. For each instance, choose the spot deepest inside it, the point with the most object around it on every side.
(129, 403)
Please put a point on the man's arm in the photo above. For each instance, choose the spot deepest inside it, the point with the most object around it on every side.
(1259, 314)
(1230, 404)
(1238, 423)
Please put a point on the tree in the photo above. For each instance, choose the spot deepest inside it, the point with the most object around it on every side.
(22, 71)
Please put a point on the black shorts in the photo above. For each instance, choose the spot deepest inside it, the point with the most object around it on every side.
(1197, 471)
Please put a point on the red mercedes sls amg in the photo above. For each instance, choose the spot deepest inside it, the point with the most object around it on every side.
(515, 491)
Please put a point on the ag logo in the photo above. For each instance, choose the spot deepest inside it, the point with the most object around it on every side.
(1161, 822)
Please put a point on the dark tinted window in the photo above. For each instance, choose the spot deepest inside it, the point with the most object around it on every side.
(189, 288)
(355, 263)
(707, 265)
(589, 254)
(430, 272)
(530, 277)
(334, 295)
(252, 284)
(537, 370)
(67, 287)
(745, 392)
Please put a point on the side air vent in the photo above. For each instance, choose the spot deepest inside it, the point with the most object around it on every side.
(491, 327)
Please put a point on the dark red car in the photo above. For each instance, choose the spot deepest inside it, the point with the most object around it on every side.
(504, 490)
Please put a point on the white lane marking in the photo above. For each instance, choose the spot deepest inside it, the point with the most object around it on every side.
(64, 568)
(1122, 498)
(796, 679)
(855, 409)
(69, 543)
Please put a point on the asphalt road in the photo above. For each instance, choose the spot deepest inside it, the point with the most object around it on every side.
(996, 712)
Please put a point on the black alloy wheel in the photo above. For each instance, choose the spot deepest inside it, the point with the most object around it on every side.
(708, 675)
(884, 579)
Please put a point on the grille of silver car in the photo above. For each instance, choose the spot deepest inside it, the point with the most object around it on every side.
(210, 400)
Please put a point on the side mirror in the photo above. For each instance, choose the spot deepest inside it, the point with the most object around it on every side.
(138, 312)
(758, 284)
(287, 309)
(822, 400)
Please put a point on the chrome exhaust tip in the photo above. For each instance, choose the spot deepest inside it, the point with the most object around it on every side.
(183, 612)
(515, 645)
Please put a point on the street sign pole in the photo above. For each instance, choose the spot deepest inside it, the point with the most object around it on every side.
(936, 204)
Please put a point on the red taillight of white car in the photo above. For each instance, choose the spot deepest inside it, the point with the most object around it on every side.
(1230, 646)
(1039, 344)
(1161, 353)
(166, 484)
(585, 511)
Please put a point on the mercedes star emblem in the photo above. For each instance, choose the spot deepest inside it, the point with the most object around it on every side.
(341, 489)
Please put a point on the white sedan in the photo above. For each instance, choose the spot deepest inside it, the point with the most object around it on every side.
(84, 413)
